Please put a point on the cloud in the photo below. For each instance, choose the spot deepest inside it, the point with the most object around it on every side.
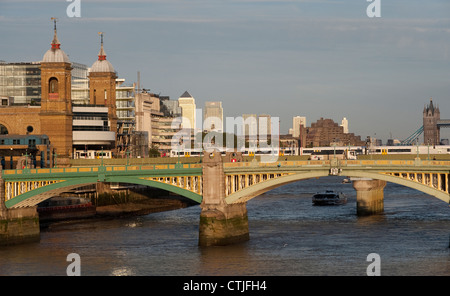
(150, 19)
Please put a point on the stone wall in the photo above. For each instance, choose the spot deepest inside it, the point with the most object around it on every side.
(18, 226)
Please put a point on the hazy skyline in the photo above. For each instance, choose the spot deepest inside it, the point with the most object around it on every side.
(283, 58)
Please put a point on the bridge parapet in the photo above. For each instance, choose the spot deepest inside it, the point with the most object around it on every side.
(340, 162)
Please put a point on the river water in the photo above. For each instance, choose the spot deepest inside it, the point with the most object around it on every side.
(288, 236)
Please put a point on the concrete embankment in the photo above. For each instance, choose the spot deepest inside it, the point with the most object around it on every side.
(136, 201)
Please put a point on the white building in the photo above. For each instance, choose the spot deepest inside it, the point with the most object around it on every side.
(297, 121)
(250, 124)
(344, 124)
(213, 117)
(91, 129)
(187, 104)
(265, 125)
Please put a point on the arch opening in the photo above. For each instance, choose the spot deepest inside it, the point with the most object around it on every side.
(3, 130)
(255, 190)
(33, 197)
(53, 92)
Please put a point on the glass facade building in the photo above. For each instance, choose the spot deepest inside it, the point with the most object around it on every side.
(21, 81)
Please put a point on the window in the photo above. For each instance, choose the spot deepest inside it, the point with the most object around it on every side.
(53, 85)
(3, 130)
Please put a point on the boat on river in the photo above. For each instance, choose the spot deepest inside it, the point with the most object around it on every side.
(329, 197)
(65, 208)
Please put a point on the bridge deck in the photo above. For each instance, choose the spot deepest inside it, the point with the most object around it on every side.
(27, 185)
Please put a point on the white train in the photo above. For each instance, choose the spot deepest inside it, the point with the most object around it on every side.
(422, 149)
(91, 154)
(246, 152)
(324, 153)
(351, 152)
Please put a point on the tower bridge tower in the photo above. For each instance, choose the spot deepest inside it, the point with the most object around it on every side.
(431, 130)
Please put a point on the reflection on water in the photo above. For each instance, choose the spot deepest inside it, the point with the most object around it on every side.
(288, 236)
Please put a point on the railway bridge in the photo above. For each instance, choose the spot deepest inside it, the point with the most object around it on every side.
(221, 187)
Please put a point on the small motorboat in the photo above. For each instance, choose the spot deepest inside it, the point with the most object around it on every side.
(329, 198)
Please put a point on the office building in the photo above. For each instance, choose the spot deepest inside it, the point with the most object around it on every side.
(297, 121)
(344, 124)
(213, 117)
(21, 81)
(187, 104)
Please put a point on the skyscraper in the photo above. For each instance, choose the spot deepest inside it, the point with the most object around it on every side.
(250, 124)
(187, 104)
(296, 122)
(344, 124)
(213, 117)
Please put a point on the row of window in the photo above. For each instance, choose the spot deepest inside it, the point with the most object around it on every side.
(91, 128)
(24, 141)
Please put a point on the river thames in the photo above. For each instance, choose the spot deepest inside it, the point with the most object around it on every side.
(288, 236)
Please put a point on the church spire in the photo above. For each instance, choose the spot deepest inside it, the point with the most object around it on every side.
(101, 54)
(55, 42)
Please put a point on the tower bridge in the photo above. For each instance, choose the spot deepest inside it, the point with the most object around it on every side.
(221, 188)
(431, 128)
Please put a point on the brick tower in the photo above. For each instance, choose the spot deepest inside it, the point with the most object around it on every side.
(431, 132)
(102, 86)
(56, 104)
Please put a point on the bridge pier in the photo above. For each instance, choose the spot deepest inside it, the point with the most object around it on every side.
(220, 223)
(17, 226)
(369, 196)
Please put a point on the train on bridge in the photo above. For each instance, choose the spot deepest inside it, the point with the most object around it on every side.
(314, 153)
(323, 153)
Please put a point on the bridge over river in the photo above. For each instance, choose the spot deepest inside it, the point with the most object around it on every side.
(221, 187)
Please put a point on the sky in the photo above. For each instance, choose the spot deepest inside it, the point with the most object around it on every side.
(286, 58)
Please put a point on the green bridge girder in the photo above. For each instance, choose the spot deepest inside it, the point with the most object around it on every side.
(250, 192)
(371, 169)
(70, 178)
